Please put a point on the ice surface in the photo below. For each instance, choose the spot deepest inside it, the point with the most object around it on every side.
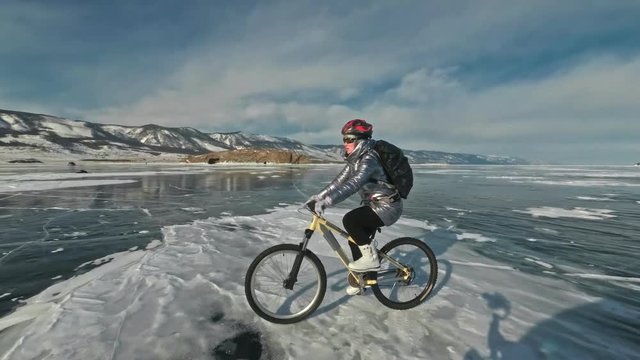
(184, 298)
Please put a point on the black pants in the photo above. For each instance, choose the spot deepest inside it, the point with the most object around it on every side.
(361, 224)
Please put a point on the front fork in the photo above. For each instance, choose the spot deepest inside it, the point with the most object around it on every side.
(293, 275)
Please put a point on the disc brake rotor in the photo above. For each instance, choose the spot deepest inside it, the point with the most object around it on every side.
(405, 279)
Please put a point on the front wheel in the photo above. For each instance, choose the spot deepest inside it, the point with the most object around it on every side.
(408, 273)
(265, 281)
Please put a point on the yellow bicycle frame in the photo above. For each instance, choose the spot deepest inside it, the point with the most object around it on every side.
(327, 229)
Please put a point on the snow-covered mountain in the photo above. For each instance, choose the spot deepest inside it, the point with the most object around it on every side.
(44, 133)
(49, 134)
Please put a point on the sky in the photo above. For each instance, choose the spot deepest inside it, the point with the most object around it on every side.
(549, 81)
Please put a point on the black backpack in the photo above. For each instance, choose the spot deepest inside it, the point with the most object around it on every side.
(396, 166)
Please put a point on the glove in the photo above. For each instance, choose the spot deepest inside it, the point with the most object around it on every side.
(312, 200)
(321, 205)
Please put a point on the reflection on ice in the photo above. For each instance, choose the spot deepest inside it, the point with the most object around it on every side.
(7, 187)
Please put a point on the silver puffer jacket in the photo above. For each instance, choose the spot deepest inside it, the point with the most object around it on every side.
(364, 174)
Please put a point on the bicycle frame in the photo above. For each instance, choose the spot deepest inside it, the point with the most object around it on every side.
(327, 228)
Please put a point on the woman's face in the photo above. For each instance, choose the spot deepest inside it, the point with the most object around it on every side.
(349, 147)
(350, 143)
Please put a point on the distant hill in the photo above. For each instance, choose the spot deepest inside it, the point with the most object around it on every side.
(439, 157)
(74, 138)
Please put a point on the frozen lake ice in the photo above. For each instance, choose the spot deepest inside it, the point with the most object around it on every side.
(147, 262)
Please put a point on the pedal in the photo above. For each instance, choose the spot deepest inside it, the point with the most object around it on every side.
(365, 279)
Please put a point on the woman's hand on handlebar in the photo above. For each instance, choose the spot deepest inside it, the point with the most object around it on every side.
(311, 203)
(317, 205)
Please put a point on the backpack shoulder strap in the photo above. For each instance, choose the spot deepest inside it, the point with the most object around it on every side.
(388, 181)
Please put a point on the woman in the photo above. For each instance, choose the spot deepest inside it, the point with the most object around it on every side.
(382, 205)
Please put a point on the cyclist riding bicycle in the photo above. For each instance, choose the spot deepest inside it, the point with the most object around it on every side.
(382, 204)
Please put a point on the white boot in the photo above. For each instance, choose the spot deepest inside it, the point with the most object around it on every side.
(369, 260)
(352, 290)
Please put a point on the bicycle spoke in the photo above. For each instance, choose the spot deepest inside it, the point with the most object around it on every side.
(269, 292)
(405, 275)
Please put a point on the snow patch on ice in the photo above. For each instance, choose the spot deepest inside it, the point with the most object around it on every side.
(153, 244)
(606, 277)
(474, 237)
(584, 183)
(547, 231)
(194, 210)
(75, 234)
(481, 265)
(541, 263)
(57, 250)
(430, 227)
(576, 213)
(593, 198)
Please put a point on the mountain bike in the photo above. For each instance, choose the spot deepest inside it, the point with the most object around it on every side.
(286, 283)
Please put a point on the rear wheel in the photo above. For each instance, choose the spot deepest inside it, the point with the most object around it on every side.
(265, 290)
(407, 281)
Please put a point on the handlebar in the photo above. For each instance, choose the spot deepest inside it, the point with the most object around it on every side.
(310, 207)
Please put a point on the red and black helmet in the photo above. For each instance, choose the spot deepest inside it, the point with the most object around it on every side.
(358, 127)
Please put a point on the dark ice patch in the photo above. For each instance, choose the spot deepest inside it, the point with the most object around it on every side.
(217, 317)
(245, 345)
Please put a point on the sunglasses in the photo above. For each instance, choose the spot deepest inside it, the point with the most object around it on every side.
(349, 139)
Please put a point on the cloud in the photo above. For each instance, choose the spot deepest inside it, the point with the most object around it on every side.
(588, 105)
(507, 77)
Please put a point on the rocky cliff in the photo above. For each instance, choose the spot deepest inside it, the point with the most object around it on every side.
(259, 156)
